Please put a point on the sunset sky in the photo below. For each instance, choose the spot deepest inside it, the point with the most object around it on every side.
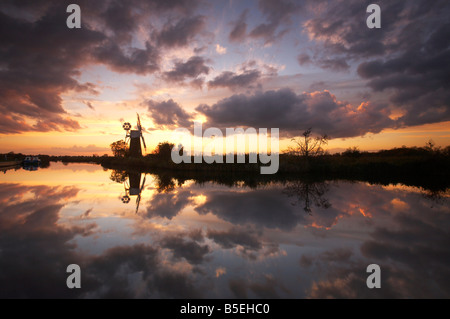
(264, 64)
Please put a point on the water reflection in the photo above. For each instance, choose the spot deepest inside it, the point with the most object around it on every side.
(199, 239)
(131, 183)
(309, 193)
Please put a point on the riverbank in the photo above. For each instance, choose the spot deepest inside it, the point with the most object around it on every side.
(4, 164)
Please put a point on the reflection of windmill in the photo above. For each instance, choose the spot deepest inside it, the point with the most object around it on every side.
(134, 137)
(133, 187)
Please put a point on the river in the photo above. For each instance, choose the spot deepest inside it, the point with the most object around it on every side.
(145, 236)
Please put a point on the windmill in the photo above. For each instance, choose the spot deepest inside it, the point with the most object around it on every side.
(134, 138)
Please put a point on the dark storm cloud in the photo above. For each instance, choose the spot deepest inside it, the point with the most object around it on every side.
(407, 57)
(181, 33)
(168, 113)
(290, 112)
(239, 30)
(234, 81)
(192, 68)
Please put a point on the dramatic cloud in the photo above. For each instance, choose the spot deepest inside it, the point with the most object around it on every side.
(192, 68)
(406, 57)
(404, 62)
(41, 58)
(39, 61)
(168, 113)
(292, 113)
(235, 81)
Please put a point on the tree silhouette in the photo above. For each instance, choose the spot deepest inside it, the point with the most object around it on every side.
(119, 148)
(163, 150)
(308, 145)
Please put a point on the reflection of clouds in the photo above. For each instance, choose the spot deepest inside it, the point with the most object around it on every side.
(186, 248)
(268, 207)
(418, 241)
(247, 242)
(168, 205)
(262, 207)
(136, 272)
(410, 242)
(35, 249)
(257, 245)
(234, 237)
(266, 287)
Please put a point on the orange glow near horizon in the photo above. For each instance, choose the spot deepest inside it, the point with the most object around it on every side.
(86, 142)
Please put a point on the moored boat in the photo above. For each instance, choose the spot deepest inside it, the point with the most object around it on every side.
(31, 160)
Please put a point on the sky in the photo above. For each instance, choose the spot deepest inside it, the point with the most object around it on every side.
(291, 65)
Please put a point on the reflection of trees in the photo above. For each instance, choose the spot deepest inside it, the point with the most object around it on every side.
(165, 183)
(308, 192)
(118, 176)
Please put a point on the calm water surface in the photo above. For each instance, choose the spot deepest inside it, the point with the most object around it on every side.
(277, 240)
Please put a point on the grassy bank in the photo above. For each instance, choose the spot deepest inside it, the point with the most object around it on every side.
(426, 169)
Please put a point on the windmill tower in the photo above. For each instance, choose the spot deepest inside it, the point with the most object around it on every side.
(134, 138)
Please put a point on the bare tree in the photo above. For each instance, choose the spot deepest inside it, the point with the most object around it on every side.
(308, 145)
